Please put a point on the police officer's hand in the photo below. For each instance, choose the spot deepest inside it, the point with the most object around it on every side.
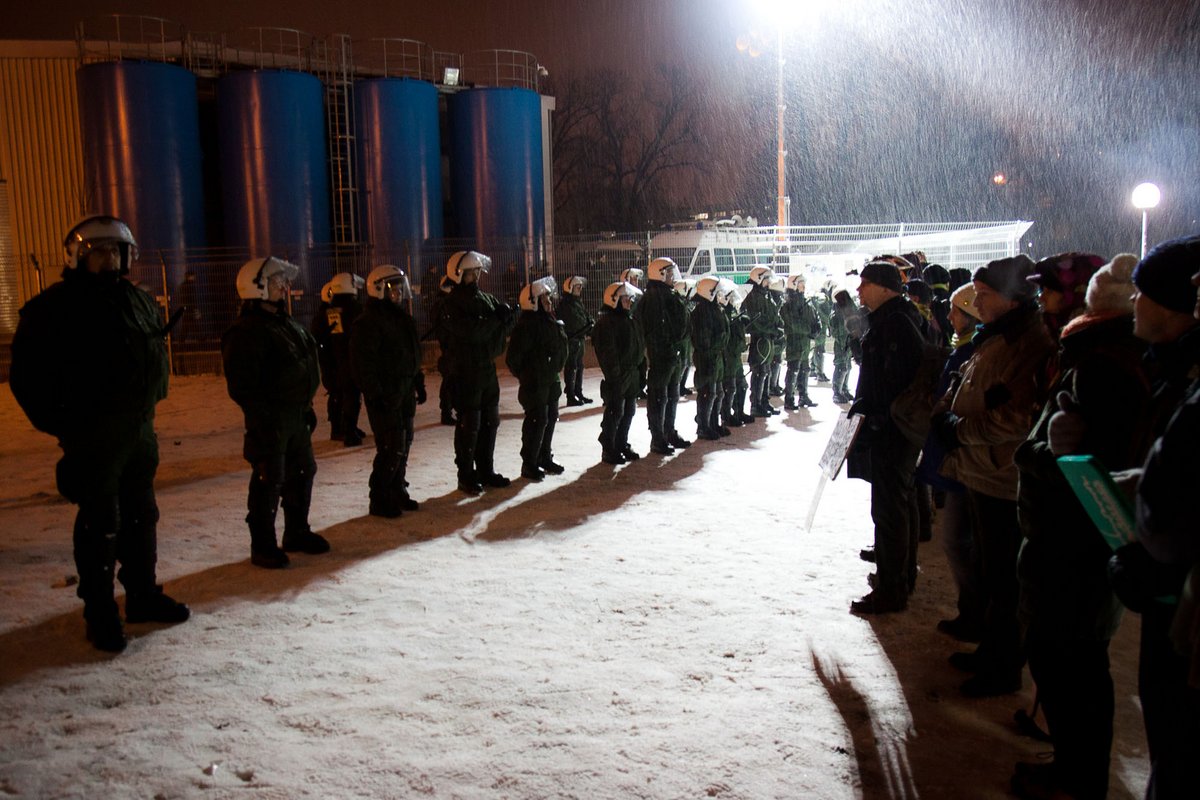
(310, 419)
(944, 427)
(1067, 427)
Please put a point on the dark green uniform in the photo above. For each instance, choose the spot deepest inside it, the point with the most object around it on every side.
(662, 316)
(385, 355)
(477, 324)
(88, 367)
(733, 412)
(710, 339)
(578, 323)
(621, 351)
(271, 372)
(765, 328)
(537, 352)
(843, 345)
(799, 325)
(332, 326)
(822, 304)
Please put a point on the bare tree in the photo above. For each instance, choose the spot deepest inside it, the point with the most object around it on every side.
(617, 148)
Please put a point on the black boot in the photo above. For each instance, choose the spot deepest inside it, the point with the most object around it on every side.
(673, 437)
(545, 460)
(154, 606)
(265, 552)
(656, 409)
(95, 541)
(704, 404)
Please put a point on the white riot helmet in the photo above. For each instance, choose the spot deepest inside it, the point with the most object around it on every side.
(707, 287)
(663, 270)
(528, 299)
(632, 275)
(615, 291)
(761, 276)
(327, 292)
(727, 292)
(777, 284)
(574, 285)
(253, 276)
(383, 277)
(465, 260)
(346, 283)
(796, 282)
(95, 231)
(685, 287)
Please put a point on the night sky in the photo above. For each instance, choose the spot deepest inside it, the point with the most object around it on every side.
(897, 109)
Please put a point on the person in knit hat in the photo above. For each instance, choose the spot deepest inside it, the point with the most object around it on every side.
(1111, 288)
(1153, 565)
(959, 276)
(891, 353)
(1070, 613)
(1008, 277)
(1062, 282)
(980, 422)
(958, 532)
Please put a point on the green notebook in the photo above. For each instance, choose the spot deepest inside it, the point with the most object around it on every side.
(1108, 507)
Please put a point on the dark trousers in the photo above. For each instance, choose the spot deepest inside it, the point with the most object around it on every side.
(537, 433)
(998, 539)
(615, 424)
(573, 370)
(393, 439)
(1075, 688)
(477, 401)
(958, 542)
(110, 476)
(892, 511)
(283, 469)
(1170, 709)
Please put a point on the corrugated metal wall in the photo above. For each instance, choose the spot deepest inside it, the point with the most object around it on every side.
(41, 159)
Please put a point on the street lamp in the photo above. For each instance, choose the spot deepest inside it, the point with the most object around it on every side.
(752, 44)
(1145, 197)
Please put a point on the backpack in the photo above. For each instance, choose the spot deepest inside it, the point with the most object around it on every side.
(913, 407)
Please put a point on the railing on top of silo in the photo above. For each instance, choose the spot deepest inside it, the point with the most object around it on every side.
(502, 68)
(394, 58)
(273, 48)
(117, 37)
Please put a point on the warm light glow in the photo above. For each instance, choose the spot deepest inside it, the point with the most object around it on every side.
(999, 179)
(788, 14)
(1146, 195)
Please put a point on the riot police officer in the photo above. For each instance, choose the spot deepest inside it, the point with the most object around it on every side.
(271, 372)
(477, 324)
(89, 366)
(385, 355)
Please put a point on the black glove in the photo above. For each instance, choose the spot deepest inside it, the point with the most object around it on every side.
(996, 395)
(310, 420)
(943, 427)
(1138, 580)
(420, 390)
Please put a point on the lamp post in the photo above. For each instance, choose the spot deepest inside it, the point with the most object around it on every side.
(1145, 197)
(752, 44)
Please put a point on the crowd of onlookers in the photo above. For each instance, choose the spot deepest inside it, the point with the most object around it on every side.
(1070, 356)
(972, 387)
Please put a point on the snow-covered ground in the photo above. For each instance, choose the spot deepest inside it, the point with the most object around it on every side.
(664, 629)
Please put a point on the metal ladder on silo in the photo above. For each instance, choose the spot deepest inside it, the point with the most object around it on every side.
(339, 112)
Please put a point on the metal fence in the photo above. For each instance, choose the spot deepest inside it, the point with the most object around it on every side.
(203, 282)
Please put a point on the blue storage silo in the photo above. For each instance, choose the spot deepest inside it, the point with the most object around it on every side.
(496, 164)
(141, 155)
(399, 159)
(274, 163)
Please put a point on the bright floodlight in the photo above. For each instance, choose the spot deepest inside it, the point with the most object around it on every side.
(787, 14)
(1146, 195)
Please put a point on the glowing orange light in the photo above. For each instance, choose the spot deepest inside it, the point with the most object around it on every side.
(999, 179)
